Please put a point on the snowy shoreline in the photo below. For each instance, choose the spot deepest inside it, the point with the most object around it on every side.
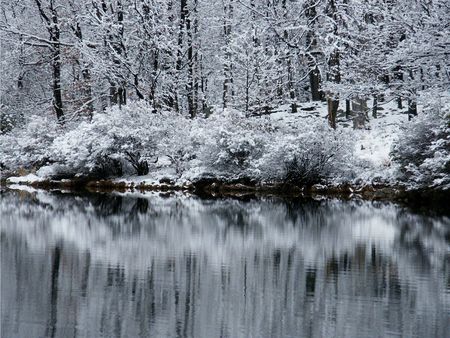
(282, 152)
(426, 199)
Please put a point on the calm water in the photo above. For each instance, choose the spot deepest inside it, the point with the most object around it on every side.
(179, 266)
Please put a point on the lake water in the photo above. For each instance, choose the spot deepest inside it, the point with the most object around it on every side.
(129, 265)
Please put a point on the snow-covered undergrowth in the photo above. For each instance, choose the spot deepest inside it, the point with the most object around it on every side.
(28, 146)
(227, 146)
(423, 150)
(298, 149)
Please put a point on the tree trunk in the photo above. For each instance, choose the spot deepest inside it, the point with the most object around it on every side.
(375, 106)
(56, 63)
(385, 79)
(347, 108)
(120, 49)
(291, 87)
(122, 95)
(183, 17)
(398, 76)
(333, 106)
(192, 85)
(314, 81)
(136, 88)
(117, 91)
(88, 90)
(227, 66)
(54, 32)
(247, 87)
(202, 86)
(334, 73)
(333, 76)
(57, 94)
(86, 74)
(311, 45)
(412, 108)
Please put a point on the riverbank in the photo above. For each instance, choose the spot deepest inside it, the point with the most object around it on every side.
(418, 199)
(231, 154)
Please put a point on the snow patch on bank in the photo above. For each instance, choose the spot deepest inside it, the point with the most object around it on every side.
(375, 144)
(27, 179)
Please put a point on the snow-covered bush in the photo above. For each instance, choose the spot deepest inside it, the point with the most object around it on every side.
(115, 142)
(29, 146)
(232, 146)
(180, 141)
(306, 169)
(423, 150)
(307, 153)
(8, 120)
(233, 143)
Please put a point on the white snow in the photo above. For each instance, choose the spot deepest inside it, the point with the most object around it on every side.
(27, 179)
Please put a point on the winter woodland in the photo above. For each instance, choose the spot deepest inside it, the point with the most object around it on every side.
(294, 91)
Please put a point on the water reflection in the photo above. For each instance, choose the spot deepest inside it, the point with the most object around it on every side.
(178, 266)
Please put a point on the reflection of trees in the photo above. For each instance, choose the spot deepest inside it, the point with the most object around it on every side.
(107, 204)
(140, 206)
(188, 267)
(306, 212)
(52, 322)
(376, 274)
(417, 236)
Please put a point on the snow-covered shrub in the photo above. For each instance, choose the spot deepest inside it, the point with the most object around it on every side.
(231, 146)
(233, 143)
(306, 169)
(8, 119)
(306, 153)
(423, 150)
(29, 146)
(180, 142)
(115, 141)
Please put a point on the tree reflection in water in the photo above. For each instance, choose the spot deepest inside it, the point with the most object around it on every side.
(132, 266)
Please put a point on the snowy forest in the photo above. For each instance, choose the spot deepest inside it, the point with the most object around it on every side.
(299, 92)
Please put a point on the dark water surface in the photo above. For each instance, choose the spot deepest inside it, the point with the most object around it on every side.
(178, 266)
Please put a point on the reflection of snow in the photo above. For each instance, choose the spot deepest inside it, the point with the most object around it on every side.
(221, 230)
(341, 268)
